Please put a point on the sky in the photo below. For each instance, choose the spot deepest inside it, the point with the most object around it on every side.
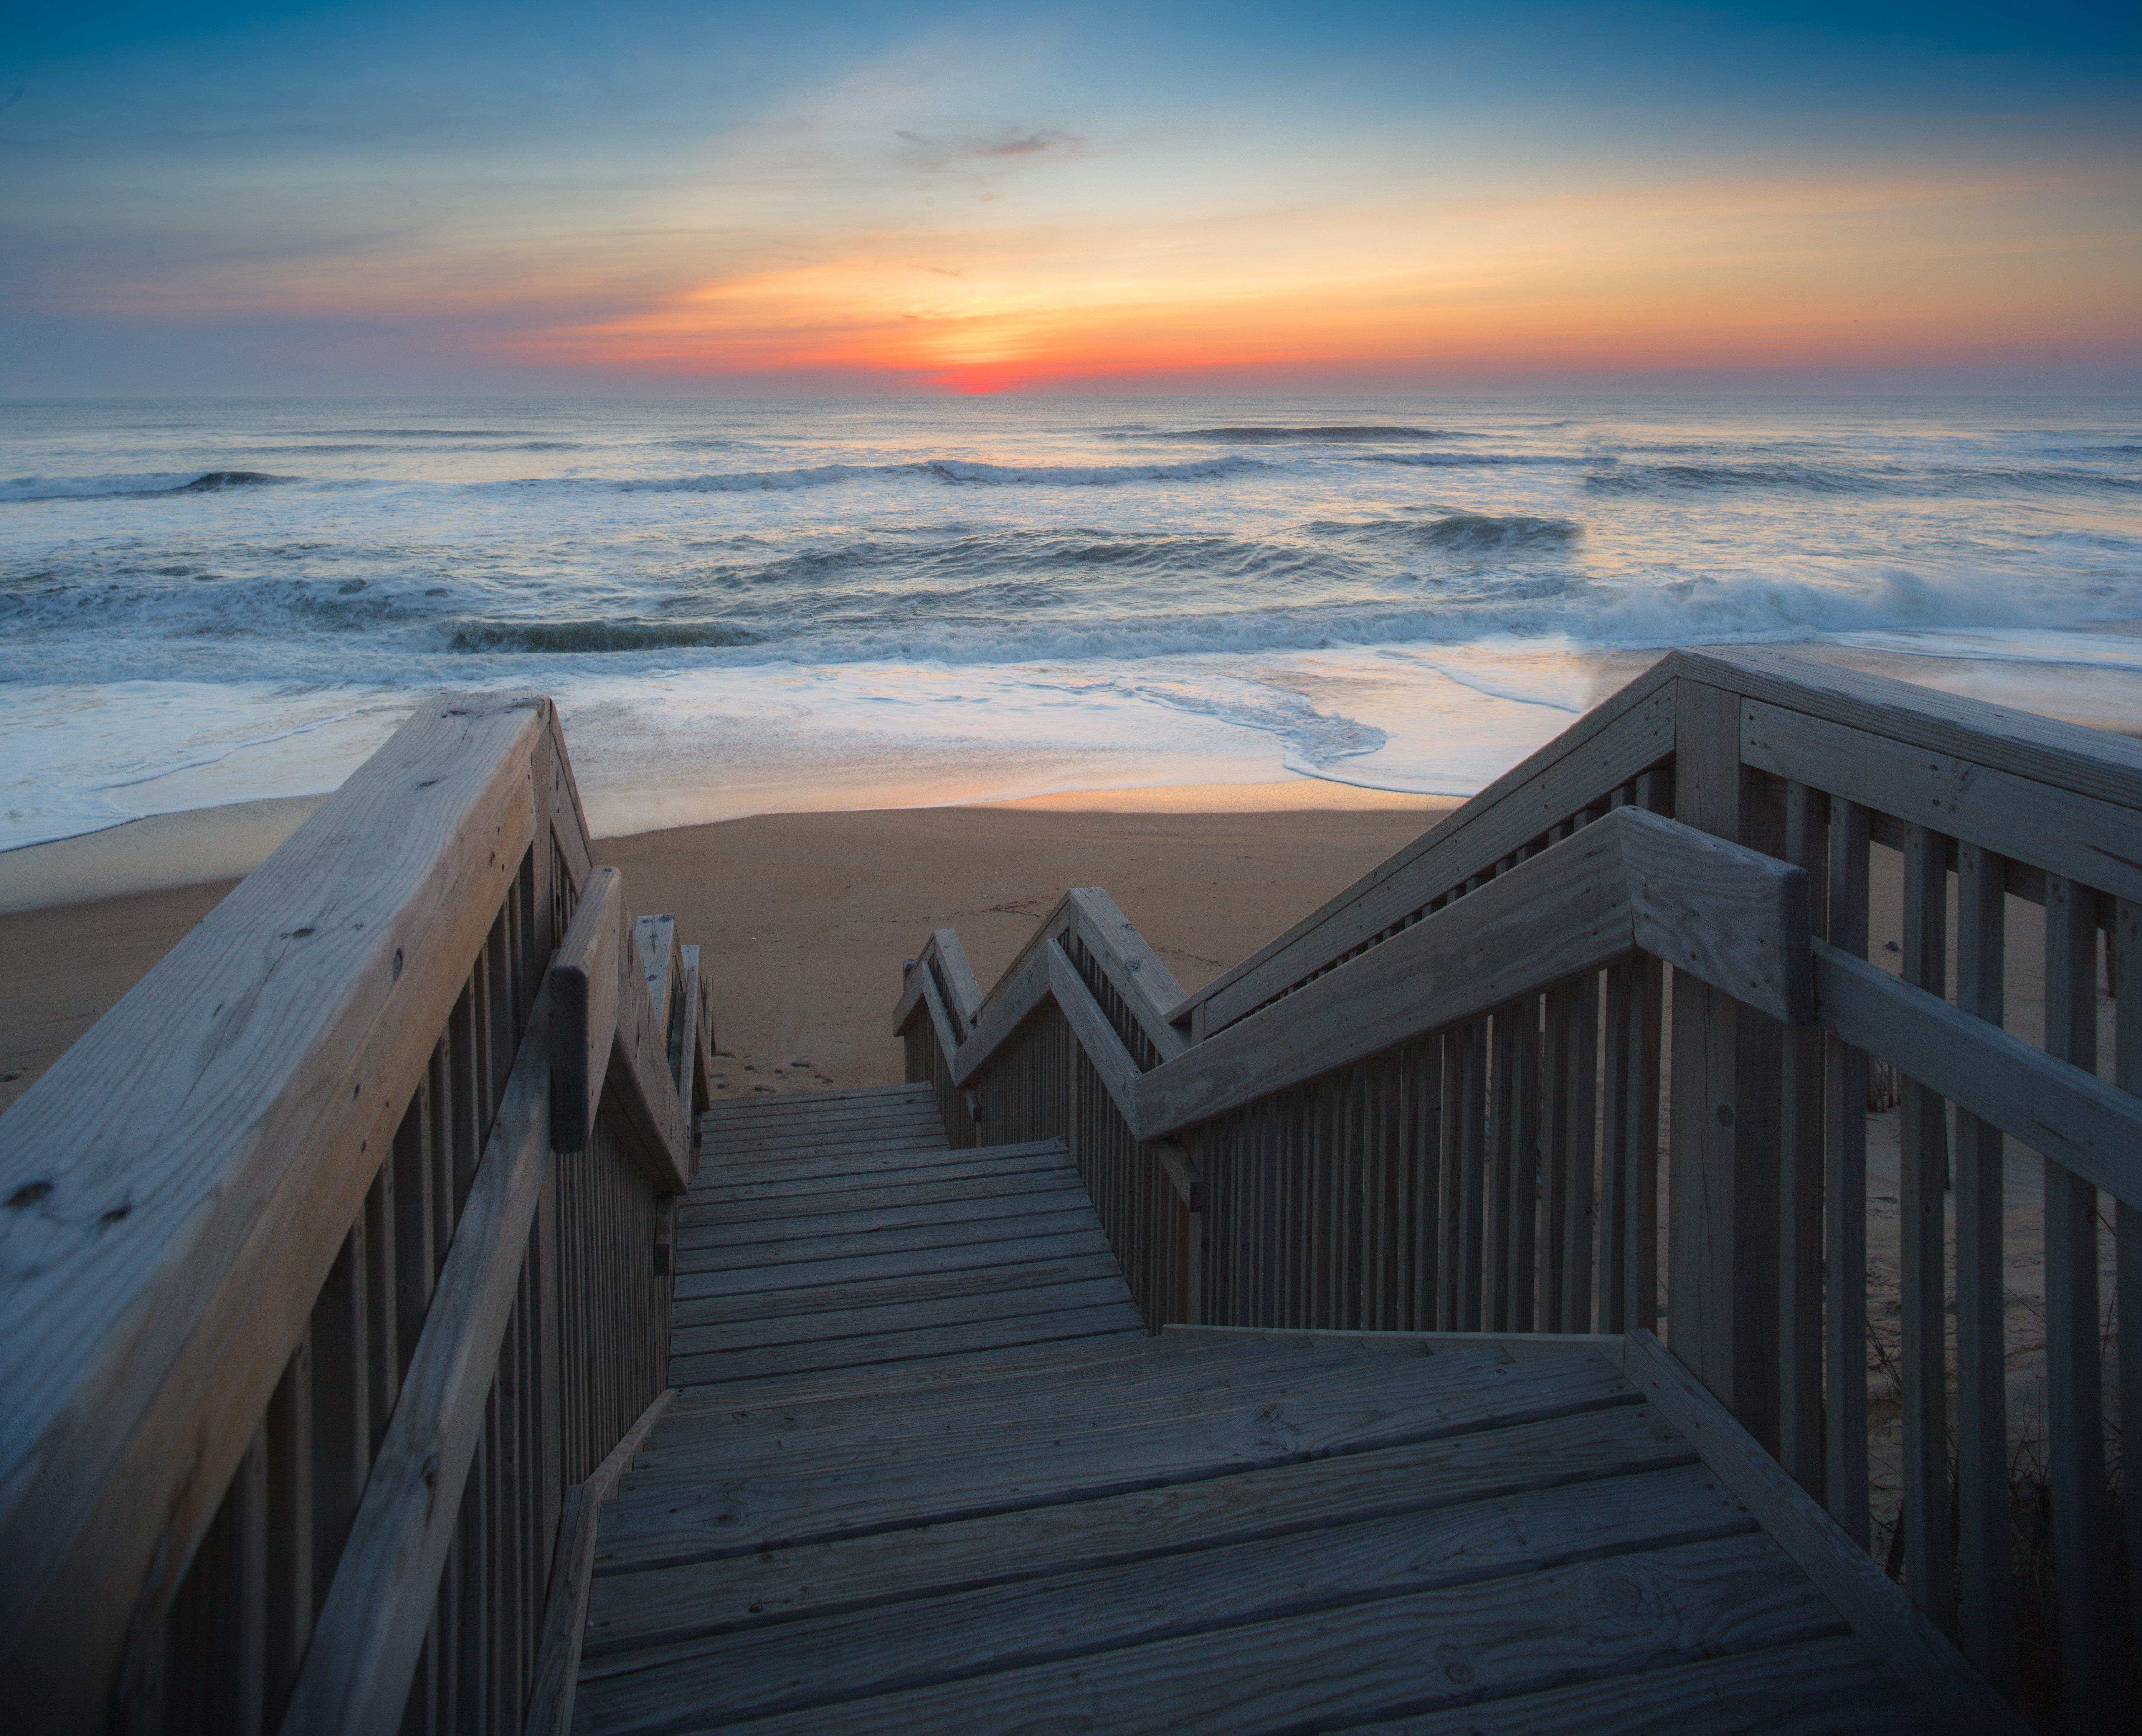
(1109, 198)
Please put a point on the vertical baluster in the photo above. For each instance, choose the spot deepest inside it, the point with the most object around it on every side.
(2127, 1231)
(417, 1262)
(1524, 1110)
(1579, 1205)
(247, 1592)
(1425, 1229)
(1472, 1174)
(1618, 1155)
(290, 1572)
(1799, 1239)
(1556, 1176)
(1845, 1195)
(342, 1426)
(1641, 1307)
(1442, 1316)
(383, 1345)
(1985, 1543)
(2074, 1405)
(1929, 1563)
(1501, 1163)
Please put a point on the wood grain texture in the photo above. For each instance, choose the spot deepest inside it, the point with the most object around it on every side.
(585, 977)
(1046, 1323)
(1820, 1687)
(2051, 1105)
(2065, 831)
(974, 1462)
(1500, 1637)
(1139, 973)
(557, 1663)
(2069, 755)
(1007, 1300)
(1630, 732)
(631, 1611)
(1565, 911)
(1731, 917)
(357, 1674)
(951, 1635)
(189, 1170)
(1955, 1697)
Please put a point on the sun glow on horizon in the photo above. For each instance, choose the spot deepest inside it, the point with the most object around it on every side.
(975, 204)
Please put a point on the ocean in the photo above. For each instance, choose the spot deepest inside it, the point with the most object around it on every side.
(753, 606)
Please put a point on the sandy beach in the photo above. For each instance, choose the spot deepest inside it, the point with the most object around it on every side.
(803, 918)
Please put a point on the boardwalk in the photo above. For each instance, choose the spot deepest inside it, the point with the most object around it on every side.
(926, 1471)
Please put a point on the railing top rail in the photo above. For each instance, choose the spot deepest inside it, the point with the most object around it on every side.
(1604, 748)
(1627, 733)
(174, 1190)
(2092, 762)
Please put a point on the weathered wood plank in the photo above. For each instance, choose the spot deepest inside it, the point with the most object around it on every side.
(1725, 914)
(2062, 830)
(1836, 1687)
(767, 1230)
(2048, 1103)
(1019, 1389)
(371, 1627)
(961, 1463)
(584, 979)
(806, 1177)
(1495, 944)
(1609, 745)
(189, 1167)
(802, 1305)
(1038, 1178)
(2089, 761)
(863, 1321)
(860, 1269)
(743, 1161)
(557, 1666)
(1955, 1697)
(995, 1332)
(952, 1636)
(740, 1125)
(1137, 971)
(794, 1394)
(1014, 1222)
(1500, 1637)
(677, 1604)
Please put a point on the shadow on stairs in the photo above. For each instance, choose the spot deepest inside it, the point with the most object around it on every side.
(926, 1471)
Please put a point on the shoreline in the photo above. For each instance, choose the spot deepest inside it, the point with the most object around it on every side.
(196, 846)
(804, 919)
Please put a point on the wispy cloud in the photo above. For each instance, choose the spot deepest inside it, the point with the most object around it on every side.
(936, 153)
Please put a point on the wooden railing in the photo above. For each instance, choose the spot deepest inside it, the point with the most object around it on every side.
(333, 1266)
(1448, 1100)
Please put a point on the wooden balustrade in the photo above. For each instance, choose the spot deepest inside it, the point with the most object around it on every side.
(309, 1333)
(1565, 1065)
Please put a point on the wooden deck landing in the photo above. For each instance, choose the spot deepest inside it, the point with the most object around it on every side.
(926, 1473)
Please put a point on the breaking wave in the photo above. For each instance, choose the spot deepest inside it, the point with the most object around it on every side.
(80, 488)
(555, 638)
(1259, 434)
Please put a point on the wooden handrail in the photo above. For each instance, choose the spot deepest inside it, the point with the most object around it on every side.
(1618, 741)
(2014, 780)
(364, 1646)
(1439, 1101)
(1632, 883)
(161, 1177)
(283, 1238)
(2055, 1106)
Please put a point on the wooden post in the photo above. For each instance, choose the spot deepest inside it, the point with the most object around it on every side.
(1722, 1258)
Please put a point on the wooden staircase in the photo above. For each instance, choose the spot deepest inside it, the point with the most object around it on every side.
(925, 1471)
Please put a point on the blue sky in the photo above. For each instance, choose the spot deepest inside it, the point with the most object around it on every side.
(1064, 197)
